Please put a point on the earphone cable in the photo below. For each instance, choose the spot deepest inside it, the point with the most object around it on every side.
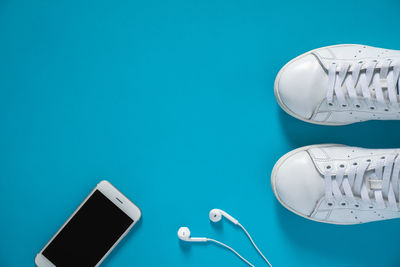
(231, 249)
(254, 244)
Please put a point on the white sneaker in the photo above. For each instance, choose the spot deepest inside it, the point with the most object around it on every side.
(341, 84)
(339, 184)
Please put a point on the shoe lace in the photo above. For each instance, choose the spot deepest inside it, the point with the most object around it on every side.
(382, 180)
(349, 82)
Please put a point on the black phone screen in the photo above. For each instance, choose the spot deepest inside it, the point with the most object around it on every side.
(90, 234)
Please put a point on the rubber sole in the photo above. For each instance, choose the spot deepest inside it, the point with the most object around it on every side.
(273, 181)
(284, 107)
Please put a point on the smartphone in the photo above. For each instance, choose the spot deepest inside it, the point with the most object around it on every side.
(92, 231)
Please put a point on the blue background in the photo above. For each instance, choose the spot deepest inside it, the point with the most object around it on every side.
(172, 101)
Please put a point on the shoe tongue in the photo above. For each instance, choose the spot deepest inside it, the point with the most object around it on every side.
(372, 183)
(383, 83)
(370, 175)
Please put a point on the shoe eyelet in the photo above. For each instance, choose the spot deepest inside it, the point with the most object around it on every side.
(343, 203)
(371, 207)
(368, 160)
(355, 163)
(386, 109)
(357, 205)
(330, 204)
(328, 167)
(383, 157)
(344, 105)
(341, 166)
(330, 104)
(372, 108)
(358, 106)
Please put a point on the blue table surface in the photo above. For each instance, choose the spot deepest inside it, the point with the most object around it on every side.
(173, 103)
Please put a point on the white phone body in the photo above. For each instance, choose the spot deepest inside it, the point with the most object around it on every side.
(117, 198)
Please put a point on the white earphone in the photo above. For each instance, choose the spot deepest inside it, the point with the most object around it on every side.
(216, 216)
(184, 234)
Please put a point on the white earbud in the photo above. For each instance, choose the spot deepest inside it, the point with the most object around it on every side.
(184, 234)
(216, 215)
